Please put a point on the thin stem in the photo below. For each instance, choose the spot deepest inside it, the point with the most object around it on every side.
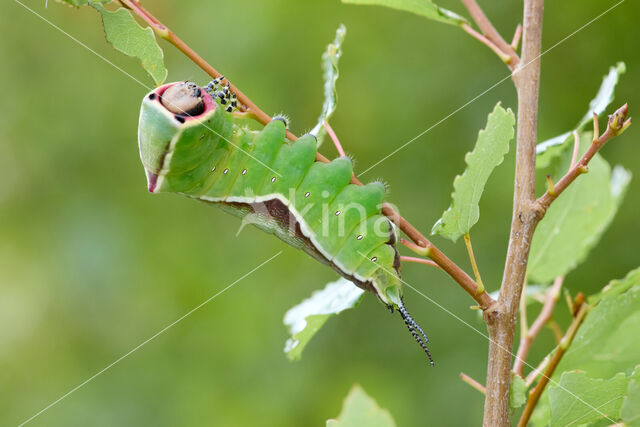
(490, 32)
(483, 299)
(557, 332)
(617, 124)
(476, 272)
(334, 138)
(501, 320)
(576, 148)
(551, 298)
(246, 105)
(473, 383)
(419, 261)
(534, 395)
(538, 370)
(515, 42)
(476, 35)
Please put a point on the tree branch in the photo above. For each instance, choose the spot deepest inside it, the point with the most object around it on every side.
(534, 395)
(501, 320)
(246, 105)
(491, 33)
(617, 124)
(551, 297)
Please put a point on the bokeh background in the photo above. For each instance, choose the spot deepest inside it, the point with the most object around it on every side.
(91, 265)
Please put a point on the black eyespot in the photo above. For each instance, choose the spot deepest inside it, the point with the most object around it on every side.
(152, 96)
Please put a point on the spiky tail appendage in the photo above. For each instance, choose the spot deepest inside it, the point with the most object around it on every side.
(421, 337)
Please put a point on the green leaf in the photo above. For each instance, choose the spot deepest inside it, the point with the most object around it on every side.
(125, 35)
(360, 410)
(489, 151)
(578, 399)
(306, 318)
(630, 412)
(517, 391)
(607, 342)
(425, 8)
(548, 150)
(575, 222)
(330, 59)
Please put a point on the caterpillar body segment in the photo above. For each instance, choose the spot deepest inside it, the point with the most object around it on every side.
(205, 153)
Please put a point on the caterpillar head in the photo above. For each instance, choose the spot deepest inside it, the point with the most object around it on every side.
(172, 117)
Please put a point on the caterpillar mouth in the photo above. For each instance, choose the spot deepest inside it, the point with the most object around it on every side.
(185, 100)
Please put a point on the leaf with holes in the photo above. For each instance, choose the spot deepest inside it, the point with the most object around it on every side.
(125, 35)
(547, 150)
(488, 153)
(425, 8)
(330, 59)
(306, 318)
(575, 222)
(361, 410)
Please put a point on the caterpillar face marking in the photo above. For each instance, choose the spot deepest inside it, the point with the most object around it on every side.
(303, 202)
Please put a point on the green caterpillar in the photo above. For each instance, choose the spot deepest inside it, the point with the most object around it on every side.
(192, 143)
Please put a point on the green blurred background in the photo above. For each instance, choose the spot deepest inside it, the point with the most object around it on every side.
(91, 265)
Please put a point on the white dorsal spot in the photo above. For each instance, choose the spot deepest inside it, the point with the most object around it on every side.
(307, 194)
(374, 259)
(213, 169)
(337, 213)
(225, 171)
(359, 237)
(273, 179)
(244, 172)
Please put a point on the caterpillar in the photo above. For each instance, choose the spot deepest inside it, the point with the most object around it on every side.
(193, 143)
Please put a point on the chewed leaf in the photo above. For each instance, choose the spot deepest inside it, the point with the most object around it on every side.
(306, 318)
(578, 399)
(547, 150)
(125, 35)
(330, 59)
(425, 8)
(489, 151)
(359, 409)
(575, 222)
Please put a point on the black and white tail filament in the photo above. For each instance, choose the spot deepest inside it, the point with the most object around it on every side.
(414, 328)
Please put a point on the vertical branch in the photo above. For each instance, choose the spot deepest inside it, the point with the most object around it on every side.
(501, 319)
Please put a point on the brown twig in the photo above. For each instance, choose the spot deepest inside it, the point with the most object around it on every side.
(419, 261)
(473, 383)
(534, 395)
(504, 57)
(501, 320)
(489, 31)
(617, 124)
(515, 42)
(246, 105)
(551, 297)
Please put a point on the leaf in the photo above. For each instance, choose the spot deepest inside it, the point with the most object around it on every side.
(125, 35)
(425, 8)
(517, 391)
(575, 222)
(546, 151)
(330, 59)
(306, 318)
(630, 412)
(578, 399)
(607, 342)
(360, 410)
(489, 151)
